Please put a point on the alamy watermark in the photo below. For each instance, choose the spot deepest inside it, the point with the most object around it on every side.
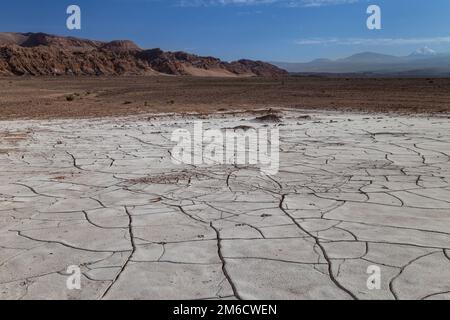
(236, 146)
(374, 20)
(374, 279)
(73, 22)
(73, 281)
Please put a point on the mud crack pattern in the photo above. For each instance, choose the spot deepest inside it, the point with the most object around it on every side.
(352, 191)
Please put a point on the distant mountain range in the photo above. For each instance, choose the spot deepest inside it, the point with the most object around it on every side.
(44, 54)
(422, 62)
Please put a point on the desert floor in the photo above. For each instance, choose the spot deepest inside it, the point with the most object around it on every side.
(355, 190)
(65, 97)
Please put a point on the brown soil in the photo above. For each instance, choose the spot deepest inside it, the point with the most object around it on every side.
(85, 97)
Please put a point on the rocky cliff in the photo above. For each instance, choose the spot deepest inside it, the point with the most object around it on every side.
(43, 54)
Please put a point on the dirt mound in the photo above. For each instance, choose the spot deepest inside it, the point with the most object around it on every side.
(44, 54)
(269, 118)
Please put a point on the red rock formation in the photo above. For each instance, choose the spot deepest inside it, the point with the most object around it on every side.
(42, 54)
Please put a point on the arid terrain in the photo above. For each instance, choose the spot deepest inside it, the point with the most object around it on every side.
(353, 192)
(88, 180)
(80, 97)
(41, 54)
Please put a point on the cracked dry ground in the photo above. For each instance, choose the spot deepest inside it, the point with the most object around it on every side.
(352, 191)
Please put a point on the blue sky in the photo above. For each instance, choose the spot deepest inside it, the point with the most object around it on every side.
(271, 30)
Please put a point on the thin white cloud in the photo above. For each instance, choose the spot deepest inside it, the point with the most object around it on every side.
(373, 41)
(286, 3)
(320, 3)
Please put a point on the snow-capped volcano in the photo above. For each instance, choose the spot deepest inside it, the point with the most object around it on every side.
(423, 62)
(425, 51)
